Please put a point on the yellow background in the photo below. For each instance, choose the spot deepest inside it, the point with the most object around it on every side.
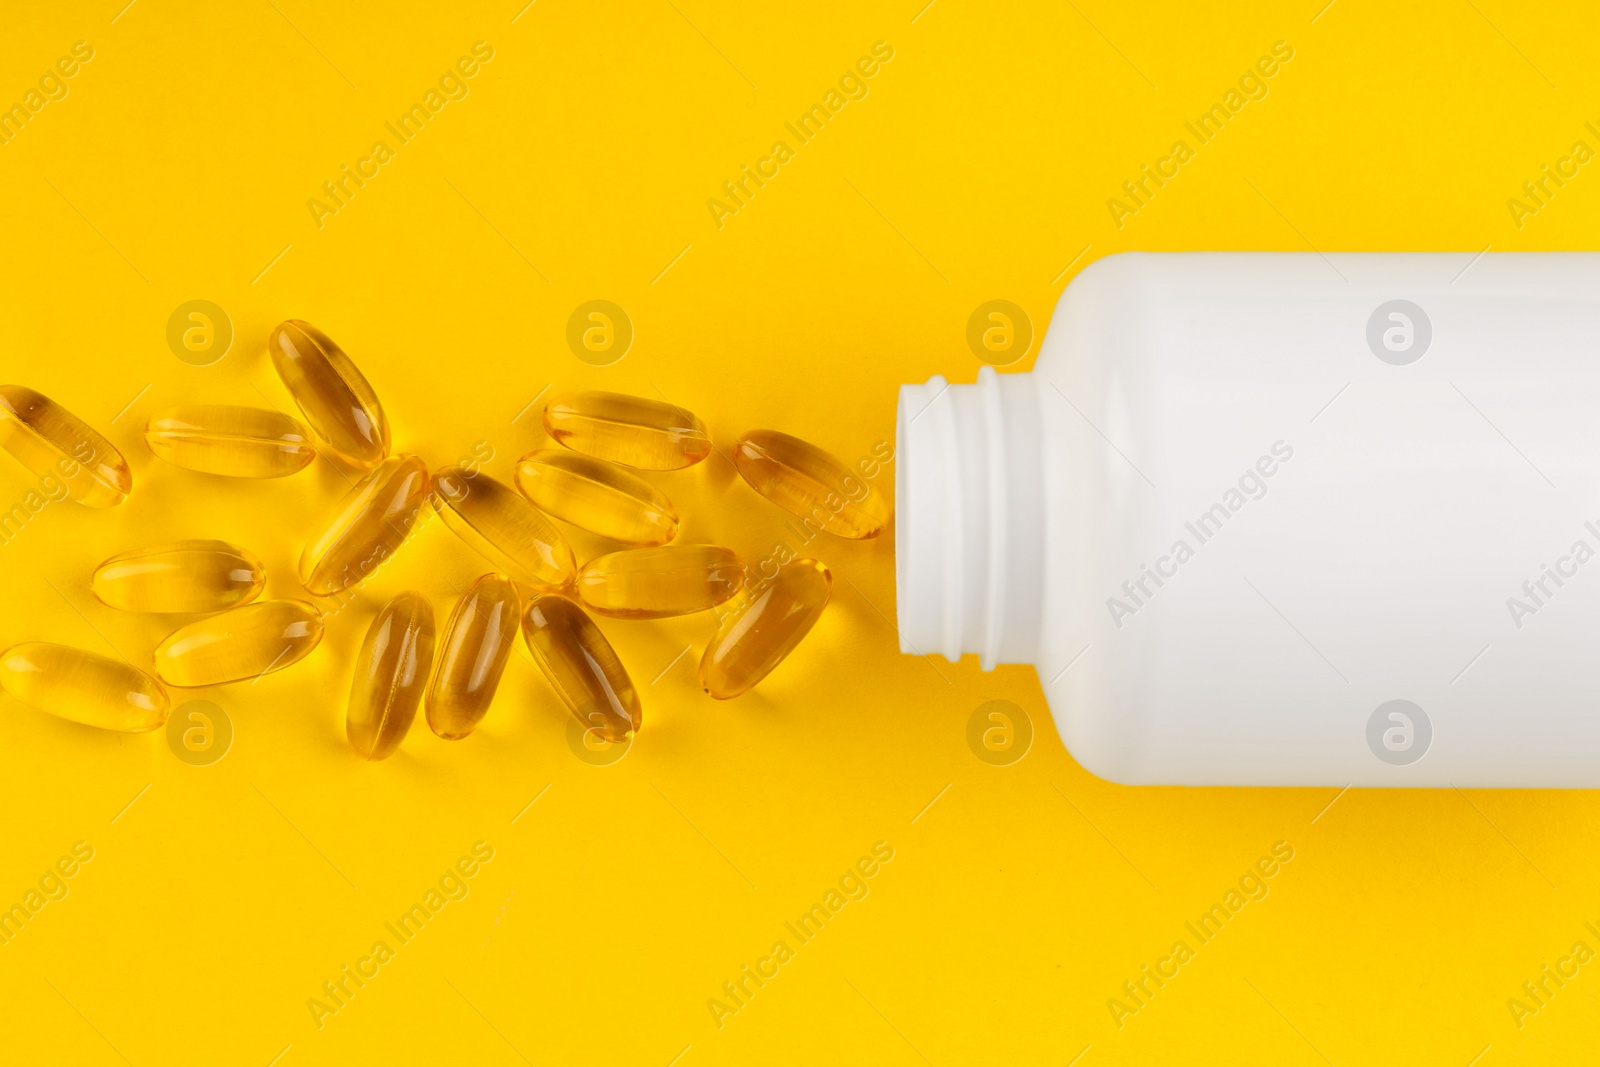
(578, 167)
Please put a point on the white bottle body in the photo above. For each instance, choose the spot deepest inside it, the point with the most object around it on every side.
(1304, 519)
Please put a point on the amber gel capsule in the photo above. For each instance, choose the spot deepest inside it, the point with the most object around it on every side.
(183, 576)
(84, 687)
(654, 583)
(597, 496)
(369, 524)
(577, 659)
(757, 635)
(472, 656)
(391, 674)
(331, 393)
(504, 528)
(53, 442)
(236, 442)
(803, 479)
(649, 434)
(241, 644)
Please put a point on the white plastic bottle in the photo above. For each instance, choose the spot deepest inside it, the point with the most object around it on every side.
(1282, 519)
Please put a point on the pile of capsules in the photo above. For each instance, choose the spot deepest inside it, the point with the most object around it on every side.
(535, 578)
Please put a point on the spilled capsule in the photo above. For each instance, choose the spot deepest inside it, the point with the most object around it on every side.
(649, 434)
(597, 496)
(331, 392)
(654, 583)
(806, 481)
(241, 644)
(53, 442)
(579, 662)
(368, 526)
(236, 442)
(757, 635)
(84, 687)
(178, 577)
(503, 528)
(472, 656)
(391, 675)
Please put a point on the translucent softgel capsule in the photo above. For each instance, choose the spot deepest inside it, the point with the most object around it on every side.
(757, 635)
(241, 644)
(369, 524)
(597, 496)
(472, 655)
(234, 441)
(653, 583)
(183, 576)
(331, 393)
(504, 528)
(803, 479)
(650, 434)
(84, 687)
(578, 660)
(391, 674)
(52, 442)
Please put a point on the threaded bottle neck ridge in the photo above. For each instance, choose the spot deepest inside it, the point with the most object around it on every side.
(970, 518)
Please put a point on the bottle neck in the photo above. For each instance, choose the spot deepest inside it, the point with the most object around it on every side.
(970, 518)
